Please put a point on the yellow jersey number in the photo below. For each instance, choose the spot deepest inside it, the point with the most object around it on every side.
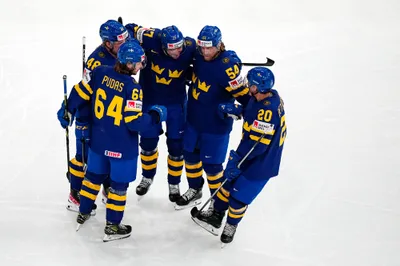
(114, 109)
(91, 64)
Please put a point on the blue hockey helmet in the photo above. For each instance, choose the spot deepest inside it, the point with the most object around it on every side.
(209, 36)
(113, 31)
(171, 38)
(131, 52)
(262, 77)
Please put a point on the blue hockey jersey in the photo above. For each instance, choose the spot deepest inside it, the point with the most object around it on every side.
(263, 117)
(214, 82)
(163, 79)
(116, 111)
(99, 57)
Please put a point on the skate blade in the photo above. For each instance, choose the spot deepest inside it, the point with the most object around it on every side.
(78, 226)
(190, 205)
(73, 208)
(209, 228)
(108, 238)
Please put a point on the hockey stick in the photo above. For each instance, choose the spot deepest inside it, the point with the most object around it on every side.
(120, 20)
(194, 211)
(83, 74)
(66, 129)
(269, 62)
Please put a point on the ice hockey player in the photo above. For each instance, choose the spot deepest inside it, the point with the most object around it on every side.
(113, 34)
(169, 56)
(116, 111)
(264, 122)
(216, 79)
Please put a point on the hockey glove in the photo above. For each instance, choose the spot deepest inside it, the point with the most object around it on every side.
(82, 131)
(65, 118)
(232, 171)
(230, 110)
(158, 113)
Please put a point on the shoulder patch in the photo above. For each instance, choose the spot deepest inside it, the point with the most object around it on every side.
(225, 60)
(101, 54)
(266, 103)
(188, 43)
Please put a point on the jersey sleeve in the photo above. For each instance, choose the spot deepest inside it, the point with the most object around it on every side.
(81, 93)
(147, 37)
(134, 117)
(262, 129)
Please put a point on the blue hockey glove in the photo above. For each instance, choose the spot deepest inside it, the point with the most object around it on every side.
(232, 171)
(82, 131)
(159, 113)
(65, 119)
(230, 110)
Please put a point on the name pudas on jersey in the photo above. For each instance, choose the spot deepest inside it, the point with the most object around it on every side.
(116, 109)
(264, 117)
(99, 57)
(214, 82)
(164, 78)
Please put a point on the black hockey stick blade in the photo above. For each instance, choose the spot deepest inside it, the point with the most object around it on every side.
(269, 62)
(194, 212)
(120, 20)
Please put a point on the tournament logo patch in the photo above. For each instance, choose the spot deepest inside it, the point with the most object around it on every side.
(263, 127)
(225, 60)
(266, 103)
(134, 105)
(113, 154)
(101, 54)
(188, 42)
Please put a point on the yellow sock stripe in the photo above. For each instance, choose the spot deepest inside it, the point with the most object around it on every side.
(86, 194)
(222, 197)
(174, 173)
(237, 211)
(214, 186)
(115, 207)
(225, 192)
(175, 163)
(193, 166)
(236, 216)
(215, 177)
(76, 173)
(116, 197)
(194, 175)
(76, 162)
(90, 185)
(149, 166)
(149, 157)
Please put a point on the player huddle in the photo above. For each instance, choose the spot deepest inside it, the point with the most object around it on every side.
(197, 89)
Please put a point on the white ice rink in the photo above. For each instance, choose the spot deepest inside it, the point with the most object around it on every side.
(336, 200)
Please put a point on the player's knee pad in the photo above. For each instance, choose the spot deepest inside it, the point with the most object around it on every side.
(212, 169)
(148, 144)
(175, 147)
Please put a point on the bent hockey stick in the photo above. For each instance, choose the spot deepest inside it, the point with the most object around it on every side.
(269, 62)
(66, 129)
(194, 211)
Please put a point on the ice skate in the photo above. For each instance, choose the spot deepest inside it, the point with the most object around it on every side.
(227, 234)
(190, 198)
(143, 187)
(74, 202)
(81, 219)
(210, 220)
(174, 192)
(116, 231)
